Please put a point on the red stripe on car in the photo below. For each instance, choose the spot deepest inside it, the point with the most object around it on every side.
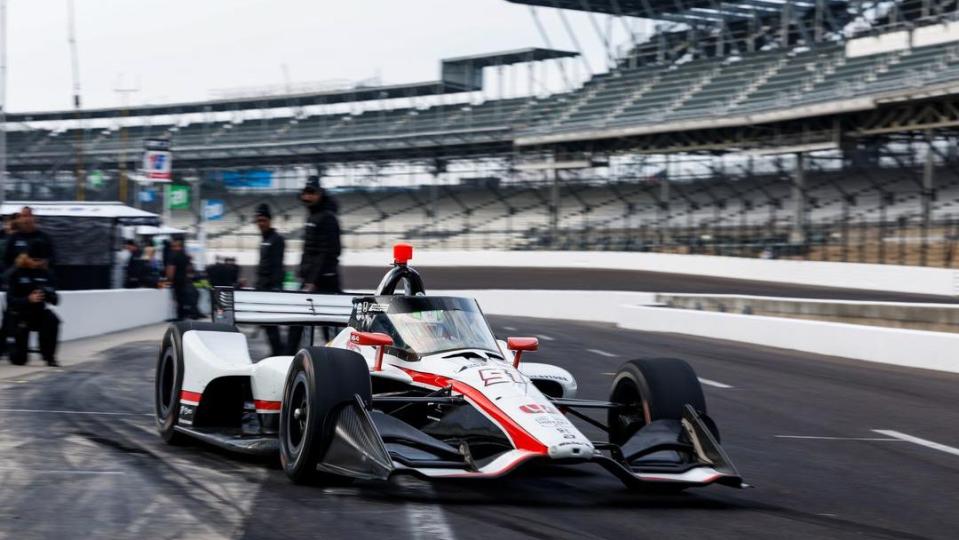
(186, 395)
(520, 437)
(267, 405)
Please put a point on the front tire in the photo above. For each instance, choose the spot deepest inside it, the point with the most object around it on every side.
(320, 382)
(168, 382)
(652, 389)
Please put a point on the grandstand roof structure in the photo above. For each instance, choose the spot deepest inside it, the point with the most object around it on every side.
(792, 93)
(453, 80)
(681, 10)
(516, 56)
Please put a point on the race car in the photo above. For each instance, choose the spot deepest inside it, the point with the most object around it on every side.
(418, 384)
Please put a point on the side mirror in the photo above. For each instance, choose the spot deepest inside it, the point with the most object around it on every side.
(373, 339)
(520, 344)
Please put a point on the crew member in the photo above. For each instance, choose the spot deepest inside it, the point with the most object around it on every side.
(136, 266)
(216, 274)
(177, 268)
(319, 267)
(31, 289)
(270, 270)
(27, 233)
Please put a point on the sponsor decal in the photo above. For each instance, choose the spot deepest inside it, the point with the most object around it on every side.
(496, 375)
(538, 408)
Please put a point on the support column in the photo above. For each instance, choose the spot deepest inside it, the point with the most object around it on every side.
(928, 190)
(798, 235)
(553, 198)
(663, 205)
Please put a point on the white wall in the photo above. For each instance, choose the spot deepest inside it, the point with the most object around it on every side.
(878, 277)
(911, 348)
(92, 313)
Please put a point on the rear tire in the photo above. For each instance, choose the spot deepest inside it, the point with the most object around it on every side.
(653, 389)
(168, 382)
(320, 382)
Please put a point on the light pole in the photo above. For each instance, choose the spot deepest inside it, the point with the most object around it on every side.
(75, 63)
(3, 101)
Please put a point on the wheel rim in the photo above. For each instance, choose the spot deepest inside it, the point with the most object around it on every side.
(167, 382)
(297, 421)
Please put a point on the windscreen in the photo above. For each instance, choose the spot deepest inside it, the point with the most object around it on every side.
(424, 325)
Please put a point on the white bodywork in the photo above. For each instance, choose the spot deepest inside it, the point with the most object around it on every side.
(506, 395)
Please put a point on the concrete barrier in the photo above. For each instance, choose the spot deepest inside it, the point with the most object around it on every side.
(902, 347)
(596, 306)
(916, 316)
(910, 348)
(879, 277)
(92, 313)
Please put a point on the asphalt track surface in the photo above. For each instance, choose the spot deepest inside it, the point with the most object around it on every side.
(361, 278)
(79, 457)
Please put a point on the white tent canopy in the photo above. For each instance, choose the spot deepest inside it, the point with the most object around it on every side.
(150, 230)
(107, 210)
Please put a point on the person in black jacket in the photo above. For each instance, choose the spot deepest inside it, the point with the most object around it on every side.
(31, 289)
(136, 267)
(177, 270)
(319, 267)
(27, 234)
(270, 270)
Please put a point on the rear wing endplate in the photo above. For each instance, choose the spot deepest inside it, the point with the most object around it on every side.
(241, 306)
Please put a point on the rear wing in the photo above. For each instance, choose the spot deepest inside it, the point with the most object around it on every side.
(241, 306)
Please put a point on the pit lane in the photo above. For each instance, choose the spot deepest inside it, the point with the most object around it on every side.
(65, 472)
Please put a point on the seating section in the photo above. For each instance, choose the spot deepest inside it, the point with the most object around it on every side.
(625, 97)
(517, 215)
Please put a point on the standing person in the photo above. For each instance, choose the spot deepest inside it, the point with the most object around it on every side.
(151, 269)
(27, 233)
(270, 270)
(135, 271)
(232, 272)
(9, 228)
(216, 273)
(319, 267)
(31, 289)
(177, 267)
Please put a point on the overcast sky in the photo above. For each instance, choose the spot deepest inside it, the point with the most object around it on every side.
(180, 50)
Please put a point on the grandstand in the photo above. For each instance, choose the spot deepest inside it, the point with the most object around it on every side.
(819, 128)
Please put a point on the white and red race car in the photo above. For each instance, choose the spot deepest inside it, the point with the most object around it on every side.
(418, 384)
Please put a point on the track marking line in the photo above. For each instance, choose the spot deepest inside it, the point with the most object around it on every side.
(610, 373)
(38, 471)
(916, 440)
(819, 438)
(54, 411)
(717, 384)
(603, 353)
(545, 338)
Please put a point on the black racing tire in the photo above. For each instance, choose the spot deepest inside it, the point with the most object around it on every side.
(652, 389)
(168, 382)
(321, 380)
